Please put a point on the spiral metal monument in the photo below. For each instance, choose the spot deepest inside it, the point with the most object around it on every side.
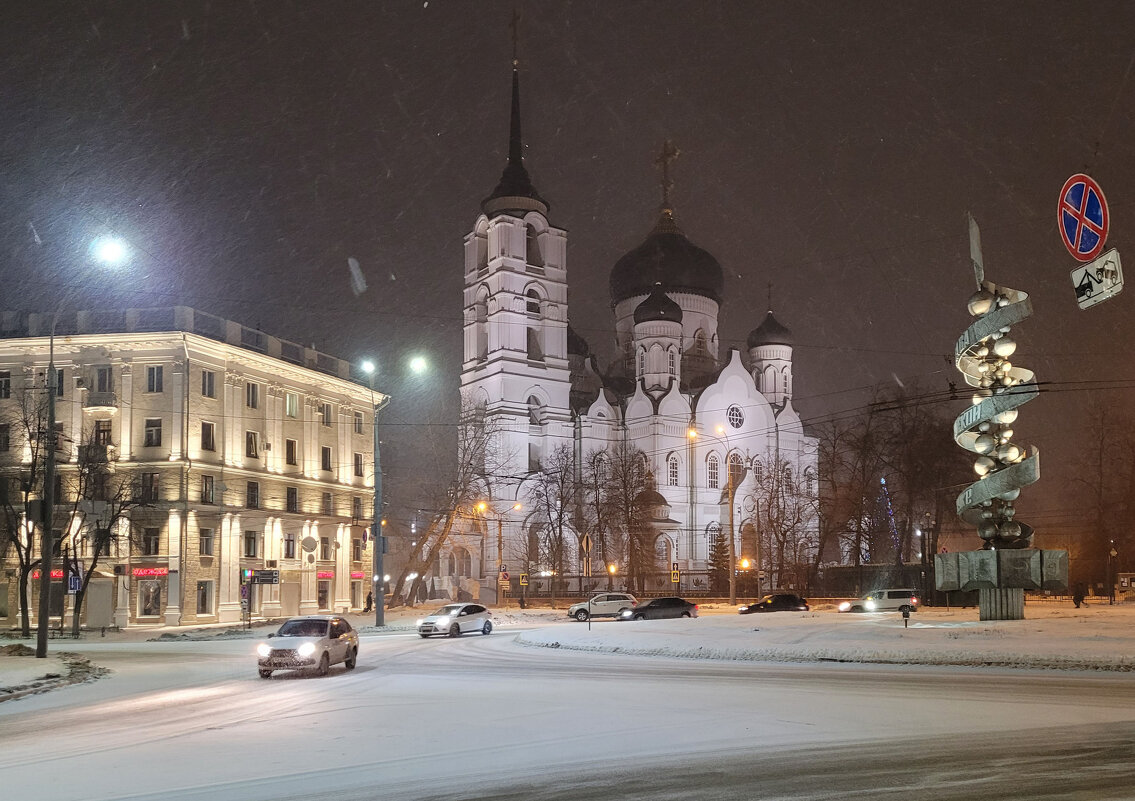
(1007, 564)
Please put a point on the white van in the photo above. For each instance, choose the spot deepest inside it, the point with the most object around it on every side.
(902, 600)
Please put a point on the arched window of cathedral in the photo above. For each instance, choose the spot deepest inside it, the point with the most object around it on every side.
(534, 257)
(452, 566)
(673, 360)
(672, 470)
(535, 352)
(464, 562)
(641, 362)
(768, 380)
(809, 480)
(758, 472)
(532, 302)
(736, 469)
(481, 315)
(785, 385)
(713, 481)
(535, 411)
(699, 341)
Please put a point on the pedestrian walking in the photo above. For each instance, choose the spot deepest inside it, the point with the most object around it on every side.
(370, 602)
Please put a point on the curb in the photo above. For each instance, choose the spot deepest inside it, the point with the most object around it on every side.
(79, 670)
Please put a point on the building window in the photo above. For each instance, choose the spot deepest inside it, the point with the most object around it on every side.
(151, 539)
(150, 486)
(736, 470)
(325, 413)
(291, 404)
(207, 489)
(325, 457)
(208, 384)
(205, 542)
(357, 507)
(251, 543)
(59, 382)
(672, 470)
(204, 597)
(358, 422)
(358, 464)
(533, 457)
(357, 550)
(154, 378)
(735, 416)
(252, 444)
(325, 548)
(208, 436)
(535, 353)
(328, 506)
(153, 436)
(291, 455)
(532, 304)
(252, 395)
(323, 594)
(149, 598)
(104, 379)
(290, 545)
(252, 495)
(711, 472)
(5, 436)
(673, 359)
(102, 432)
(641, 362)
(5, 384)
(293, 499)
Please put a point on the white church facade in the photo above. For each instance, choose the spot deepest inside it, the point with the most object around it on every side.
(695, 411)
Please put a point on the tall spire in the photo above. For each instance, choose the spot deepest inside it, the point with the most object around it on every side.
(514, 191)
(666, 222)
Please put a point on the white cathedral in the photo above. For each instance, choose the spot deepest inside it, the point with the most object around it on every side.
(694, 411)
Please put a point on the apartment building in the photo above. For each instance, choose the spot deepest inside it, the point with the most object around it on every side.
(246, 451)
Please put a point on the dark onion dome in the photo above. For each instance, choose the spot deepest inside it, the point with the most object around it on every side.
(577, 345)
(651, 497)
(770, 332)
(514, 192)
(658, 306)
(669, 259)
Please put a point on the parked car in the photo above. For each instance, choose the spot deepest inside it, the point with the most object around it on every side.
(778, 602)
(312, 642)
(456, 619)
(889, 600)
(605, 604)
(657, 608)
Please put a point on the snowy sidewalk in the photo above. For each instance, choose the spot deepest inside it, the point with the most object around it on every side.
(1091, 638)
(22, 674)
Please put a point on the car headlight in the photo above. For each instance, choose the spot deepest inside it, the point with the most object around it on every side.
(264, 649)
(743, 609)
(870, 605)
(626, 613)
(845, 606)
(419, 621)
(307, 649)
(442, 621)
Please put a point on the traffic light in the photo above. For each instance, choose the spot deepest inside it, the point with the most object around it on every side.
(246, 574)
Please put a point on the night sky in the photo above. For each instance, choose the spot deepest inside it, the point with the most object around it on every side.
(246, 150)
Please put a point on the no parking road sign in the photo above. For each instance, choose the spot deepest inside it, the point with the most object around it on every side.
(1082, 217)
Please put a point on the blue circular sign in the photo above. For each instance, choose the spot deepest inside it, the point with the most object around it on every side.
(1082, 217)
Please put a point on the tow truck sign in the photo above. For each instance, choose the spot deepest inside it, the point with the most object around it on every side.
(1098, 280)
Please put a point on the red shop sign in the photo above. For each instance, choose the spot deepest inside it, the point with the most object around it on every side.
(357, 574)
(150, 571)
(325, 574)
(56, 573)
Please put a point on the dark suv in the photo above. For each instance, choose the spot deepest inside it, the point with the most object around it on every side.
(778, 602)
(657, 608)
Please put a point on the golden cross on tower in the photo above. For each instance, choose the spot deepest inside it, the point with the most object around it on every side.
(668, 156)
(515, 26)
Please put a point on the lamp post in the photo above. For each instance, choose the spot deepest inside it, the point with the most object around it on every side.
(484, 508)
(1111, 554)
(734, 480)
(378, 540)
(111, 252)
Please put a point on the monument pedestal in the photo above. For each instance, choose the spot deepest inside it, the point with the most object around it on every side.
(1001, 577)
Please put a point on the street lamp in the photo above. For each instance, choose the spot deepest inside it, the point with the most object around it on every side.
(734, 480)
(378, 539)
(110, 252)
(486, 509)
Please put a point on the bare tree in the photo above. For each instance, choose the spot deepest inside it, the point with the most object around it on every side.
(596, 509)
(785, 512)
(454, 496)
(626, 481)
(554, 491)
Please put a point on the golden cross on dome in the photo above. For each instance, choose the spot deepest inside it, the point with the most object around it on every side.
(667, 157)
(515, 26)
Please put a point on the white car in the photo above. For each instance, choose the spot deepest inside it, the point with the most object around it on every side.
(890, 600)
(313, 642)
(456, 619)
(605, 604)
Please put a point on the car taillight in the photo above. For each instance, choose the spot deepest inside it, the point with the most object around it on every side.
(695, 607)
(635, 603)
(914, 600)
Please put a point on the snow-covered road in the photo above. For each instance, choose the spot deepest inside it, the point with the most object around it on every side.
(486, 717)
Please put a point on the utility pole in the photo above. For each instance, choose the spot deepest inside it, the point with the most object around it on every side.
(48, 510)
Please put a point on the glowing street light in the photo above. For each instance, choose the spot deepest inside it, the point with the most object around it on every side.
(111, 251)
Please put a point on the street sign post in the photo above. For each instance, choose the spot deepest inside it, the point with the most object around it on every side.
(1082, 218)
(1098, 280)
